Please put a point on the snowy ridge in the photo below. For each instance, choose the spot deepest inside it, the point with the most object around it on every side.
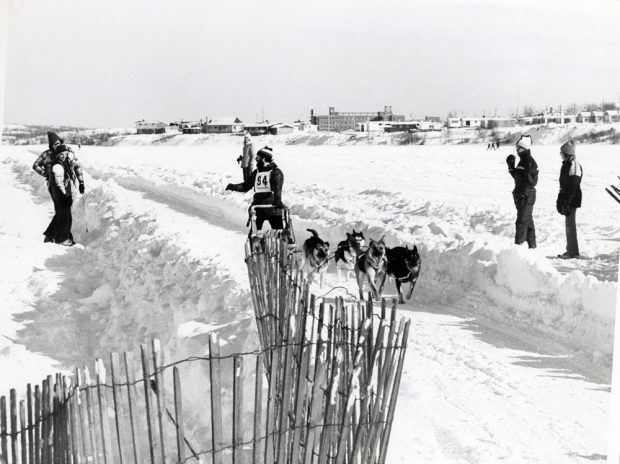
(144, 279)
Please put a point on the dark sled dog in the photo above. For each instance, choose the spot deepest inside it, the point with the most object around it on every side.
(347, 252)
(404, 265)
(316, 255)
(372, 264)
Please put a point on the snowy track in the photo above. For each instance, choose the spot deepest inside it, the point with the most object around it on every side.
(164, 256)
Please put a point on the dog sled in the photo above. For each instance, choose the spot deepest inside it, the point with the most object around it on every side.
(285, 233)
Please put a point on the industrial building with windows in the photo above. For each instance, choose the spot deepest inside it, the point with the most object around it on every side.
(341, 121)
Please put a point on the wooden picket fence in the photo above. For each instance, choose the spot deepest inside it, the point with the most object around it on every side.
(352, 351)
(321, 389)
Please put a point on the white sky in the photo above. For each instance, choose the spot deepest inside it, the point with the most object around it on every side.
(112, 62)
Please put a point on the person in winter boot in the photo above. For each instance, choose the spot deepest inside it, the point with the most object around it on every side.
(247, 159)
(267, 180)
(43, 164)
(569, 197)
(61, 183)
(525, 176)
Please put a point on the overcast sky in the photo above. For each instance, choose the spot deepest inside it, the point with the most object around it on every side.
(112, 62)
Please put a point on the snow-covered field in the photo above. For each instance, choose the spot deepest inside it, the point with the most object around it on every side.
(509, 354)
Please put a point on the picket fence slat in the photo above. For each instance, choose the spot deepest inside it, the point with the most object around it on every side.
(159, 394)
(146, 379)
(216, 400)
(129, 376)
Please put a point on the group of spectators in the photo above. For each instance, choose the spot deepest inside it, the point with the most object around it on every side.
(61, 169)
(525, 175)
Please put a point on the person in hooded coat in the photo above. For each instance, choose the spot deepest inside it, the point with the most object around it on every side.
(267, 180)
(62, 180)
(525, 175)
(569, 197)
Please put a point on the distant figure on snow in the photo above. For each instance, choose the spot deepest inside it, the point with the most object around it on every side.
(247, 159)
(525, 176)
(267, 180)
(61, 170)
(569, 197)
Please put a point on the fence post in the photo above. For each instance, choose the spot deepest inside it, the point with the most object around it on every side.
(90, 415)
(238, 457)
(130, 387)
(117, 406)
(159, 394)
(147, 400)
(178, 414)
(13, 413)
(30, 424)
(3, 430)
(78, 410)
(37, 425)
(258, 408)
(22, 420)
(102, 417)
(216, 399)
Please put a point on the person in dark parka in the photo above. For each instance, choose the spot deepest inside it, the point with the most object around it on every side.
(569, 197)
(525, 175)
(267, 180)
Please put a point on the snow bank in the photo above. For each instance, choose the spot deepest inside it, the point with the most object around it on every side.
(140, 277)
(467, 251)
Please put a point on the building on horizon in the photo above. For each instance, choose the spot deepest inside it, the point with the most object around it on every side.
(150, 127)
(223, 125)
(339, 121)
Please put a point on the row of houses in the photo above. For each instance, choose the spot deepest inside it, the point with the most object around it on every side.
(379, 121)
(223, 125)
(597, 117)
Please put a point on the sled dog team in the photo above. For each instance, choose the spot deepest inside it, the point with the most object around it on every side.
(371, 264)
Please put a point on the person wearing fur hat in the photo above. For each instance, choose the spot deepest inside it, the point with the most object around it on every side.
(61, 169)
(525, 175)
(267, 180)
(569, 197)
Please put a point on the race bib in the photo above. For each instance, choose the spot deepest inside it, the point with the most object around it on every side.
(262, 184)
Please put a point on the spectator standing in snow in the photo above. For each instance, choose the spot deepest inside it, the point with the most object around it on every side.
(247, 159)
(267, 180)
(569, 197)
(525, 176)
(43, 164)
(62, 171)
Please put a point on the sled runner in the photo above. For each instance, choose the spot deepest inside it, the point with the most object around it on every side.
(285, 233)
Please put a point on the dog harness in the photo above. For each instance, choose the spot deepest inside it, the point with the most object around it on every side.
(374, 262)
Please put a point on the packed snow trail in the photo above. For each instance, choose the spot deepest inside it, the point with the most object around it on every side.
(472, 390)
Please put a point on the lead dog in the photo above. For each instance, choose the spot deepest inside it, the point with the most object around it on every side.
(404, 265)
(316, 255)
(347, 252)
(372, 264)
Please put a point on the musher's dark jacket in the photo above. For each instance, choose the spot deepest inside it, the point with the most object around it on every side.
(272, 195)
